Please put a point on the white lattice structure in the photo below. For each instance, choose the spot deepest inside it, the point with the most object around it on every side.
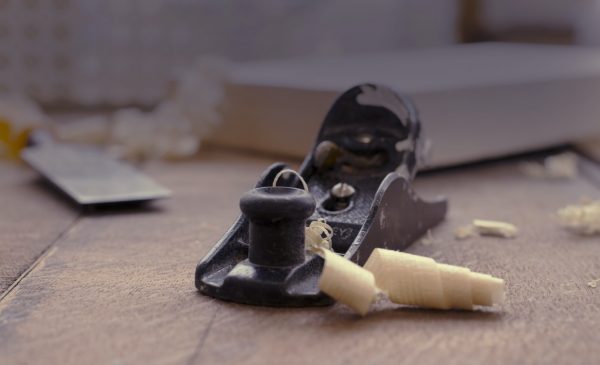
(128, 51)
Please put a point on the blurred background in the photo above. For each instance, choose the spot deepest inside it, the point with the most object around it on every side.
(121, 52)
(97, 55)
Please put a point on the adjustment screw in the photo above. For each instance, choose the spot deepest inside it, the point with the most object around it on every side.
(342, 190)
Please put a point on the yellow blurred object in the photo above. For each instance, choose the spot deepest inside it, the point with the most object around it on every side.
(12, 141)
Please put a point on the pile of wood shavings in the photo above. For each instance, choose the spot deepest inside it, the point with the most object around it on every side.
(582, 218)
(561, 166)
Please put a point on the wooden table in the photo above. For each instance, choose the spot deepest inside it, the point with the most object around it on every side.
(116, 286)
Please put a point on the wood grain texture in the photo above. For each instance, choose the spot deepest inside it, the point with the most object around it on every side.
(30, 220)
(118, 287)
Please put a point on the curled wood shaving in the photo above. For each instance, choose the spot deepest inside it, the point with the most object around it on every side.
(593, 283)
(290, 171)
(420, 281)
(406, 279)
(318, 235)
(582, 218)
(347, 282)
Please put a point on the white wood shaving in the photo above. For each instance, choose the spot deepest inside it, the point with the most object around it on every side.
(92, 129)
(420, 281)
(347, 283)
(582, 219)
(403, 278)
(406, 279)
(561, 166)
(162, 133)
(172, 130)
(290, 171)
(495, 228)
(318, 235)
(593, 283)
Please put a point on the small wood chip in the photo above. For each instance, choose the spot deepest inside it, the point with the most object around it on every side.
(495, 228)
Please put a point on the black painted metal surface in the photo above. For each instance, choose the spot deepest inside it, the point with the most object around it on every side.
(370, 141)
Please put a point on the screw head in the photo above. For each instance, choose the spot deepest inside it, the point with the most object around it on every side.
(342, 190)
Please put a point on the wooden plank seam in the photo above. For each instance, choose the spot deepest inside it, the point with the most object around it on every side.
(47, 252)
